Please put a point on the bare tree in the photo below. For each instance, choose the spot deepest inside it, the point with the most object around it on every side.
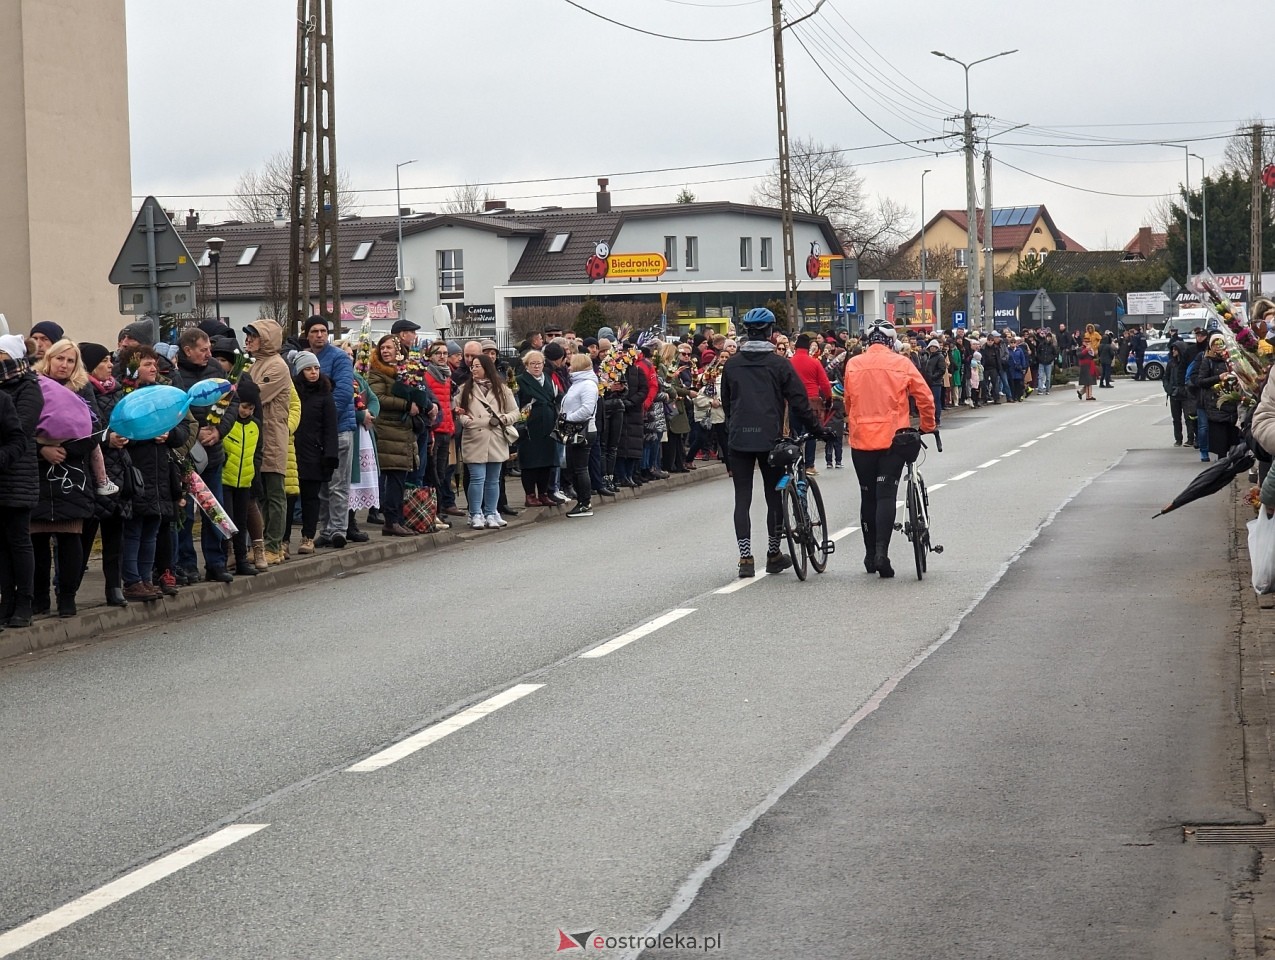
(824, 183)
(274, 306)
(1237, 156)
(467, 199)
(263, 193)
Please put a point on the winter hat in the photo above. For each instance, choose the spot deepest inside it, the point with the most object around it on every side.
(227, 347)
(303, 359)
(215, 328)
(248, 392)
(14, 346)
(553, 352)
(453, 348)
(606, 333)
(143, 331)
(92, 354)
(50, 329)
(316, 321)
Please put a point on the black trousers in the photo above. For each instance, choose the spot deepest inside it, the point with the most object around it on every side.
(535, 481)
(70, 560)
(238, 503)
(112, 530)
(578, 471)
(878, 472)
(1175, 411)
(741, 466)
(17, 561)
(612, 426)
(392, 503)
(309, 508)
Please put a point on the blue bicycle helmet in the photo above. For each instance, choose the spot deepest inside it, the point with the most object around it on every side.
(758, 317)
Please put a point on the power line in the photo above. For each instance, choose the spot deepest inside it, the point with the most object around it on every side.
(1072, 186)
(664, 36)
(715, 6)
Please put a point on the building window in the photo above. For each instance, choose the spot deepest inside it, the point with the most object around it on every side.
(451, 271)
(962, 256)
(245, 258)
(314, 257)
(745, 253)
(559, 242)
(363, 250)
(763, 255)
(692, 253)
(670, 252)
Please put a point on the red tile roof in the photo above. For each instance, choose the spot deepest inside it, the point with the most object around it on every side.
(1006, 238)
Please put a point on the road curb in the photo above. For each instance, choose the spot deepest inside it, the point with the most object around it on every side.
(100, 621)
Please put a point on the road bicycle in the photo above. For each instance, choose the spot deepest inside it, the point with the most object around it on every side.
(917, 525)
(805, 523)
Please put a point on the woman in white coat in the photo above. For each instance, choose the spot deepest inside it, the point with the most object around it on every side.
(488, 411)
(578, 407)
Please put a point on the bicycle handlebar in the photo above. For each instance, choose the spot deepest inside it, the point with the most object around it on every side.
(938, 440)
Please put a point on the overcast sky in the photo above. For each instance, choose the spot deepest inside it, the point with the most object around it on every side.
(527, 90)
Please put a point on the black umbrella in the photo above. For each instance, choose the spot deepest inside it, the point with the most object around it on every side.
(1216, 477)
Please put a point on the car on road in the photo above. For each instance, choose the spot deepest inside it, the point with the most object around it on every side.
(1157, 358)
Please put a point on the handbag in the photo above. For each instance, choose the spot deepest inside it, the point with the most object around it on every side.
(420, 508)
(509, 432)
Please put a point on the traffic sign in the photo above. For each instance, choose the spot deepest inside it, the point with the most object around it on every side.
(1041, 305)
(172, 261)
(844, 273)
(173, 298)
(1171, 288)
(848, 302)
(904, 307)
(958, 318)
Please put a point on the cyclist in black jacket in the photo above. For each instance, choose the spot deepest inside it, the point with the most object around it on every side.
(757, 387)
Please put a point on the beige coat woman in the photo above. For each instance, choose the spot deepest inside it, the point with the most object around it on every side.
(481, 442)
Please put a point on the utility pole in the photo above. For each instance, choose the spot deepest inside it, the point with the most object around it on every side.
(933, 318)
(785, 179)
(971, 196)
(989, 262)
(314, 203)
(1255, 228)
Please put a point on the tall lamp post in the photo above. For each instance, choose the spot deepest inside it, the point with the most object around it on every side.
(923, 263)
(971, 197)
(214, 257)
(1204, 211)
(398, 207)
(1186, 207)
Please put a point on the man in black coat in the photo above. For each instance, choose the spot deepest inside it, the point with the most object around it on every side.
(195, 363)
(992, 366)
(1138, 349)
(19, 481)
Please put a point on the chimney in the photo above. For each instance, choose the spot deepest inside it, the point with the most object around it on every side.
(1144, 242)
(604, 198)
(192, 220)
(490, 206)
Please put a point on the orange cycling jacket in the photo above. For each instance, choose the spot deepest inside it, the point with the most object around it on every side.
(877, 384)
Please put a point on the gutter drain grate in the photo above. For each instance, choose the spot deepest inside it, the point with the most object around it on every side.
(1230, 833)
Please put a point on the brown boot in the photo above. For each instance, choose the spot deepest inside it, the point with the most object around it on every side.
(140, 592)
(259, 554)
(307, 545)
(396, 530)
(274, 557)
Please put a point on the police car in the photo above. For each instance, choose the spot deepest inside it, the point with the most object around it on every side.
(1157, 358)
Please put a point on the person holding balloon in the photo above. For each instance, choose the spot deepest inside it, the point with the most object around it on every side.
(158, 495)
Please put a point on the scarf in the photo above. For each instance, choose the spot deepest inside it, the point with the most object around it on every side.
(103, 386)
(439, 371)
(11, 369)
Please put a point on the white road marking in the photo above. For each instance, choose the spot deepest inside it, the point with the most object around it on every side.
(1044, 435)
(1028, 444)
(984, 466)
(838, 536)
(935, 486)
(39, 928)
(961, 476)
(1098, 413)
(742, 582)
(437, 731)
(1068, 423)
(1010, 453)
(637, 633)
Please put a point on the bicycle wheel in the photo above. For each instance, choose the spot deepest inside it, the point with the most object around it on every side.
(793, 518)
(816, 528)
(925, 523)
(916, 523)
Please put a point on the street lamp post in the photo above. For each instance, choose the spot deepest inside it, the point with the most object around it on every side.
(214, 257)
(398, 207)
(971, 198)
(1204, 211)
(923, 263)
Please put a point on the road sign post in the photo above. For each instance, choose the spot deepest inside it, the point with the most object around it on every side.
(154, 260)
(1042, 308)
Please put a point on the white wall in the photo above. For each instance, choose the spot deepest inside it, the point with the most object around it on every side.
(488, 261)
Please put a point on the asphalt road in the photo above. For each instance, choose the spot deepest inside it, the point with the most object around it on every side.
(1082, 706)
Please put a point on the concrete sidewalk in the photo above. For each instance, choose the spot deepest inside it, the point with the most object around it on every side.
(97, 621)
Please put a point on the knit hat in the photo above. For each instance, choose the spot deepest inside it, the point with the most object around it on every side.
(227, 347)
(248, 392)
(215, 328)
(554, 352)
(50, 329)
(316, 321)
(453, 348)
(303, 359)
(143, 331)
(606, 333)
(488, 345)
(92, 354)
(14, 346)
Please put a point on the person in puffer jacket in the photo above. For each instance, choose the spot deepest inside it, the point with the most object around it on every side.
(579, 404)
(19, 486)
(243, 448)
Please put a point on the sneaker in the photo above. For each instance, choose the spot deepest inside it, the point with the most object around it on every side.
(557, 497)
(777, 563)
(322, 542)
(107, 489)
(747, 568)
(811, 472)
(338, 542)
(838, 466)
(580, 510)
(167, 583)
(275, 557)
(307, 546)
(476, 522)
(495, 521)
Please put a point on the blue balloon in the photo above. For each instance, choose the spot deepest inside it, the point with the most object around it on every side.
(207, 392)
(148, 412)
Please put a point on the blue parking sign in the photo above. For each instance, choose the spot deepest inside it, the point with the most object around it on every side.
(958, 318)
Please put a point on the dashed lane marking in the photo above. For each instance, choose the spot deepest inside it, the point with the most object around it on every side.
(1029, 443)
(41, 927)
(1010, 453)
(1044, 435)
(739, 584)
(961, 476)
(990, 463)
(436, 732)
(838, 536)
(936, 486)
(637, 633)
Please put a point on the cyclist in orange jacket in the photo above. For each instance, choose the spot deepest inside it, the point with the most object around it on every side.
(878, 383)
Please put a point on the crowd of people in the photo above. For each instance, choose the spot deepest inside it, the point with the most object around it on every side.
(320, 438)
